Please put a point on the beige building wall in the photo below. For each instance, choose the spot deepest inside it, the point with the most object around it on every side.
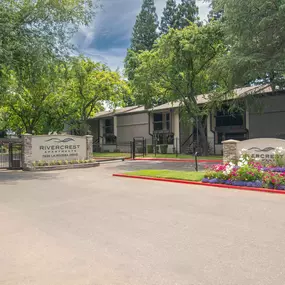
(132, 125)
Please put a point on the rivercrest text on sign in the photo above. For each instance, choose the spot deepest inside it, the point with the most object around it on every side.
(58, 147)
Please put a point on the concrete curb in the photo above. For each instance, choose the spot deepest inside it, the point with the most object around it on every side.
(180, 160)
(202, 184)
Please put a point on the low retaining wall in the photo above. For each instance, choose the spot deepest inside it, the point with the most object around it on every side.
(63, 167)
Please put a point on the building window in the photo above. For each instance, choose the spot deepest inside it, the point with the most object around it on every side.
(230, 136)
(158, 122)
(161, 121)
(167, 121)
(109, 126)
(109, 136)
(225, 118)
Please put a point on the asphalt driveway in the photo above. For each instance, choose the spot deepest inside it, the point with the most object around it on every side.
(132, 165)
(85, 227)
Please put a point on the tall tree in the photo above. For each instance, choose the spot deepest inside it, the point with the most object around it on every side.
(169, 17)
(187, 12)
(143, 37)
(145, 28)
(255, 33)
(180, 67)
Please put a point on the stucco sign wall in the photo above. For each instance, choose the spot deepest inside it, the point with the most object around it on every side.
(262, 148)
(58, 147)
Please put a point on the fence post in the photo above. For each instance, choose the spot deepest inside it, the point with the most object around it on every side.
(10, 155)
(134, 148)
(131, 149)
(196, 161)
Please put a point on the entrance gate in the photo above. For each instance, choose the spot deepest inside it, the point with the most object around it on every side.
(138, 147)
(10, 154)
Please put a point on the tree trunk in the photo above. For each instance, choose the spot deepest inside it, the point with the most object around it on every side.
(203, 138)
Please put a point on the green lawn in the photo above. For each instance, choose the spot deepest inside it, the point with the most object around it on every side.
(182, 156)
(182, 175)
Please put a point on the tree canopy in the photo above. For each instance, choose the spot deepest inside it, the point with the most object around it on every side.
(169, 17)
(145, 28)
(180, 67)
(187, 11)
(255, 34)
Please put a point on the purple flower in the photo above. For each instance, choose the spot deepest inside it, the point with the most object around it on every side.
(214, 181)
(239, 183)
(205, 180)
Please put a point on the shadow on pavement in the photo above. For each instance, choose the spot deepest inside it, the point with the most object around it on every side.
(8, 176)
(140, 165)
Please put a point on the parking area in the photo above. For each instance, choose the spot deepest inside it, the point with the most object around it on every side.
(86, 227)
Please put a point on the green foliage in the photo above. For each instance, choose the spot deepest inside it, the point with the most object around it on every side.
(32, 102)
(143, 37)
(48, 25)
(169, 17)
(163, 148)
(255, 34)
(149, 148)
(180, 67)
(187, 13)
(145, 28)
(89, 85)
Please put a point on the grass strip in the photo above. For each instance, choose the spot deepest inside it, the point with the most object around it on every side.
(170, 174)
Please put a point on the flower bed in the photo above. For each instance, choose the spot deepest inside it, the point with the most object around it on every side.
(249, 173)
(62, 164)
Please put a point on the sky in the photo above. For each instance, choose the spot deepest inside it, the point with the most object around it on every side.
(108, 37)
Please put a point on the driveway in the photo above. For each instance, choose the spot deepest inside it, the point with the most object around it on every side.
(85, 227)
(132, 165)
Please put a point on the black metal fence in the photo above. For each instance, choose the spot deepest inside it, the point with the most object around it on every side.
(113, 150)
(10, 154)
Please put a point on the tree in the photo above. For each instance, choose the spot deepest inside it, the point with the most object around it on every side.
(169, 17)
(255, 34)
(32, 95)
(145, 28)
(180, 67)
(91, 86)
(214, 15)
(187, 12)
(47, 24)
(144, 35)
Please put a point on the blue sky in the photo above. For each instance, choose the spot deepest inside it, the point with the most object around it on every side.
(108, 37)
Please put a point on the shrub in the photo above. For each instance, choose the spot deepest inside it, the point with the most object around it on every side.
(163, 148)
(116, 150)
(149, 148)
(106, 150)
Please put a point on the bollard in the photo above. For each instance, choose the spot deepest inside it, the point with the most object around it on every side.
(196, 161)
